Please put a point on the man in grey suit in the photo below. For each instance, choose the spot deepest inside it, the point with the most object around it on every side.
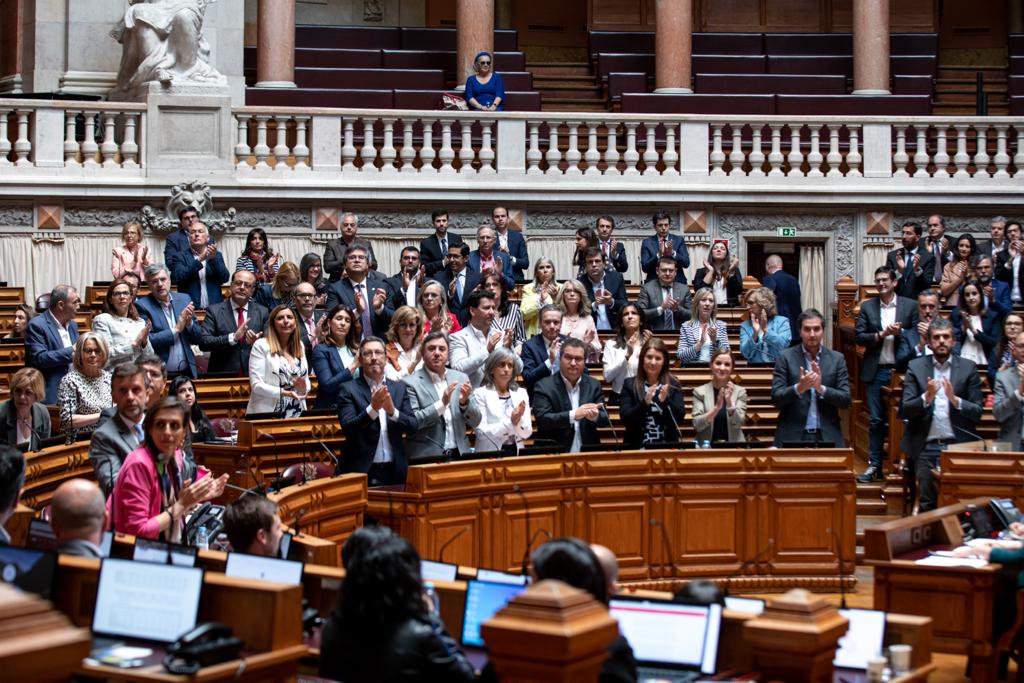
(941, 405)
(78, 515)
(809, 387)
(440, 403)
(231, 327)
(1010, 397)
(122, 433)
(664, 303)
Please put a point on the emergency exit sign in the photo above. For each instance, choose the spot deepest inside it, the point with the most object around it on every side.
(787, 232)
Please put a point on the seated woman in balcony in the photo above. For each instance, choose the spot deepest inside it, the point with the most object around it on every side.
(765, 334)
(257, 257)
(719, 407)
(976, 328)
(22, 417)
(133, 256)
(485, 91)
(958, 271)
(19, 324)
(721, 274)
(577, 322)
(538, 294)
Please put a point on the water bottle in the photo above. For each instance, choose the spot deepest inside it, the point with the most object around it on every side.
(706, 444)
(202, 538)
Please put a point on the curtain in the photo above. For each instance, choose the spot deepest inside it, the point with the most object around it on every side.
(874, 256)
(812, 280)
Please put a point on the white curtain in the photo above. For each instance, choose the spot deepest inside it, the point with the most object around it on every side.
(812, 279)
(874, 256)
(698, 254)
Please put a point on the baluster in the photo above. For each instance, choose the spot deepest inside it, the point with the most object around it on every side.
(281, 151)
(1018, 158)
(466, 154)
(941, 155)
(348, 147)
(242, 149)
(632, 156)
(900, 158)
(22, 145)
(650, 149)
(775, 158)
(5, 140)
(671, 155)
(834, 159)
(408, 153)
(301, 150)
(486, 148)
(795, 156)
(853, 157)
(89, 146)
(1001, 159)
(261, 151)
(736, 156)
(756, 157)
(815, 158)
(427, 154)
(533, 155)
(70, 143)
(368, 153)
(447, 155)
(961, 159)
(717, 156)
(108, 148)
(388, 153)
(592, 156)
(981, 157)
(129, 147)
(611, 150)
(553, 156)
(921, 152)
(572, 155)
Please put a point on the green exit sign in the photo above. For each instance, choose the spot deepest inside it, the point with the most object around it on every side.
(787, 232)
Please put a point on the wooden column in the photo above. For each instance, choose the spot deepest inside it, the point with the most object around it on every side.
(275, 52)
(870, 47)
(474, 24)
(673, 46)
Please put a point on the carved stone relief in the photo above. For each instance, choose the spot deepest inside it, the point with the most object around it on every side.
(16, 216)
(840, 225)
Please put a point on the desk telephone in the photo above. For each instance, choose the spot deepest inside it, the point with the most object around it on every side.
(205, 645)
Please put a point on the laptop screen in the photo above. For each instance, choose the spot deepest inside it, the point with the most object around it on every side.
(863, 639)
(147, 550)
(483, 600)
(30, 570)
(244, 566)
(156, 602)
(438, 571)
(669, 634)
(494, 576)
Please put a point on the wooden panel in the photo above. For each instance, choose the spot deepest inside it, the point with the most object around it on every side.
(552, 23)
(621, 15)
(732, 15)
(786, 16)
(970, 474)
(329, 509)
(914, 16)
(441, 13)
(45, 470)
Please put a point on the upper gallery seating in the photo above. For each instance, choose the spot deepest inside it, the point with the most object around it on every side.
(385, 68)
(1015, 48)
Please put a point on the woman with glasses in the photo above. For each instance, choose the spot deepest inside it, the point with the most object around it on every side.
(134, 256)
(502, 417)
(84, 392)
(485, 90)
(403, 347)
(280, 291)
(125, 331)
(1002, 354)
(24, 419)
(433, 305)
(538, 294)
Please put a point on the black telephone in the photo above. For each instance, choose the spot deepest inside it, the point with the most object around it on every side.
(205, 645)
(207, 515)
(1004, 511)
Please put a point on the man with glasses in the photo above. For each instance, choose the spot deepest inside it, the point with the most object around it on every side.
(486, 258)
(995, 293)
(200, 271)
(335, 253)
(172, 316)
(50, 339)
(233, 326)
(569, 406)
(364, 291)
(177, 242)
(1010, 396)
(307, 317)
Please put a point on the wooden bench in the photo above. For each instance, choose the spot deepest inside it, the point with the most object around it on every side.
(861, 105)
(650, 103)
(380, 79)
(769, 84)
(430, 38)
(352, 37)
(320, 97)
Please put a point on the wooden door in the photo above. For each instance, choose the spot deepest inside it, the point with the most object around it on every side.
(621, 15)
(741, 16)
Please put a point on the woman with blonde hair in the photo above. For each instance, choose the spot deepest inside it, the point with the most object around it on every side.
(577, 322)
(280, 290)
(126, 333)
(25, 420)
(432, 302)
(85, 391)
(720, 407)
(702, 334)
(403, 348)
(278, 369)
(133, 256)
(765, 334)
(537, 294)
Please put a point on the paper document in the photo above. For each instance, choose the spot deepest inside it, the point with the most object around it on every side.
(944, 561)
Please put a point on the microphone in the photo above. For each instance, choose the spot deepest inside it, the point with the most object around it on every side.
(444, 546)
(113, 503)
(306, 457)
(668, 545)
(973, 435)
(277, 463)
(296, 522)
(516, 488)
(615, 434)
(839, 556)
(337, 465)
(754, 560)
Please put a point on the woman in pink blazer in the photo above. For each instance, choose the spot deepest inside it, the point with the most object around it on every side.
(134, 256)
(151, 498)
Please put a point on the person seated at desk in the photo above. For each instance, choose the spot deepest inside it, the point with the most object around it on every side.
(764, 334)
(501, 408)
(652, 401)
(278, 368)
(152, 495)
(975, 327)
(336, 360)
(720, 406)
(621, 356)
(570, 405)
(23, 313)
(199, 429)
(1010, 554)
(85, 391)
(24, 418)
(126, 332)
(702, 335)
(383, 629)
(12, 479)
(78, 516)
(440, 402)
(121, 433)
(1009, 389)
(721, 275)
(253, 526)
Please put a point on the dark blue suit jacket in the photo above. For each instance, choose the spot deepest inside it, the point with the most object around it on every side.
(430, 251)
(162, 336)
(330, 375)
(649, 256)
(362, 433)
(175, 245)
(991, 330)
(343, 292)
(185, 273)
(535, 356)
(45, 351)
(614, 283)
(1000, 302)
(506, 267)
(787, 297)
(458, 307)
(520, 257)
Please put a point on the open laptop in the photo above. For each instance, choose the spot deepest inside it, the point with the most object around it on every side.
(671, 641)
(495, 576)
(438, 571)
(261, 568)
(483, 600)
(863, 640)
(30, 570)
(158, 552)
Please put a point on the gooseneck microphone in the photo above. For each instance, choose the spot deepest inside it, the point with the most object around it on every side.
(277, 463)
(337, 463)
(839, 556)
(444, 546)
(526, 512)
(973, 435)
(752, 561)
(529, 545)
(113, 503)
(667, 545)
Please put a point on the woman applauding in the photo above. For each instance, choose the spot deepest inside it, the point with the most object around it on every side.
(502, 415)
(126, 333)
(336, 361)
(576, 319)
(721, 274)
(133, 256)
(433, 305)
(278, 369)
(403, 347)
(538, 294)
(621, 356)
(720, 406)
(652, 402)
(765, 334)
(701, 336)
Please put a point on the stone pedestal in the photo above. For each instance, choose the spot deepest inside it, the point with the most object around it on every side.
(673, 46)
(189, 129)
(275, 54)
(474, 22)
(870, 47)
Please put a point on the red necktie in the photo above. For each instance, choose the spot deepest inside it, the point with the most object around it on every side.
(241, 316)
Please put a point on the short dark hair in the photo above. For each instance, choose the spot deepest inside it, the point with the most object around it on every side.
(667, 261)
(12, 476)
(478, 295)
(354, 248)
(548, 308)
(809, 314)
(605, 218)
(126, 370)
(660, 216)
(245, 517)
(916, 226)
(185, 209)
(939, 323)
(886, 270)
(574, 343)
(148, 358)
(409, 248)
(591, 252)
(434, 335)
(462, 247)
(929, 293)
(371, 339)
(437, 213)
(572, 561)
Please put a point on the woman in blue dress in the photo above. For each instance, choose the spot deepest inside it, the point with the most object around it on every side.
(485, 91)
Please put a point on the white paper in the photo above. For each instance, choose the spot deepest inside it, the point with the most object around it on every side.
(940, 561)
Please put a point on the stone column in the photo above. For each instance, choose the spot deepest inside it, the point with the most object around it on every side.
(870, 47)
(474, 23)
(673, 46)
(275, 54)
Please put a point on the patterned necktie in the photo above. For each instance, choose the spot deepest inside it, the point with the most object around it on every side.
(669, 319)
(367, 321)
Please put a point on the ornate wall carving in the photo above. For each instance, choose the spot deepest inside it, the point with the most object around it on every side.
(956, 224)
(568, 222)
(273, 218)
(16, 216)
(844, 253)
(97, 217)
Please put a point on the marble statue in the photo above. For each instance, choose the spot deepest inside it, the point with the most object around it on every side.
(163, 42)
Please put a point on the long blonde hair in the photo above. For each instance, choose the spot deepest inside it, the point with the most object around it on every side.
(576, 286)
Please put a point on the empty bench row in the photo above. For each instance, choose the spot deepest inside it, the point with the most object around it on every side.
(392, 37)
(353, 98)
(388, 59)
(780, 105)
(620, 83)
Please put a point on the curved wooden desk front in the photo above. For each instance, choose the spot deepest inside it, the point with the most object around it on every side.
(45, 470)
(766, 516)
(324, 510)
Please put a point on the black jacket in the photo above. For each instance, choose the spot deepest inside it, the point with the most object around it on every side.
(634, 412)
(551, 407)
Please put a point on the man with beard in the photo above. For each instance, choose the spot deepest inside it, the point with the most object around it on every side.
(915, 266)
(122, 433)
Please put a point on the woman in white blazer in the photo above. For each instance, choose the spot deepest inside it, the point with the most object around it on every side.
(503, 407)
(720, 406)
(278, 370)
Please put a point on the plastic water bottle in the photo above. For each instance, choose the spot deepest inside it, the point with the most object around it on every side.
(706, 444)
(202, 538)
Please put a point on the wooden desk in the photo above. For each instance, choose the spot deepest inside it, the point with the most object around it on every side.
(328, 509)
(969, 472)
(765, 514)
(45, 470)
(278, 665)
(229, 396)
(12, 359)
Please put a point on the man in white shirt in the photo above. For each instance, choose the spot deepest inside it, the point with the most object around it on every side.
(997, 239)
(614, 251)
(50, 339)
(569, 406)
(440, 402)
(364, 291)
(471, 345)
(405, 284)
(199, 272)
(172, 315)
(606, 290)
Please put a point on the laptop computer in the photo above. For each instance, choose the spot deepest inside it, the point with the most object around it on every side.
(438, 571)
(158, 552)
(863, 640)
(671, 641)
(495, 576)
(483, 600)
(261, 568)
(30, 570)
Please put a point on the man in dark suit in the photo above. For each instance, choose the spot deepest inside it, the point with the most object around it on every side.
(540, 352)
(12, 479)
(664, 303)
(365, 292)
(177, 242)
(434, 249)
(810, 385)
(173, 318)
(937, 244)
(122, 433)
(914, 265)
(200, 271)
(486, 257)
(78, 515)
(787, 293)
(913, 342)
(50, 339)
(335, 252)
(995, 293)
(663, 244)
(511, 244)
(942, 405)
(1009, 397)
(375, 414)
(614, 250)
(405, 284)
(879, 327)
(233, 326)
(1010, 268)
(307, 317)
(569, 406)
(605, 289)
(997, 239)
(460, 280)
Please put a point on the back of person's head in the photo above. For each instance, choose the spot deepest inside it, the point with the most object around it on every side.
(572, 561)
(382, 589)
(12, 478)
(78, 510)
(700, 592)
(244, 519)
(361, 539)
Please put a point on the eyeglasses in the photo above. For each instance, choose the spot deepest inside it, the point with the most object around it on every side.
(484, 63)
(304, 296)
